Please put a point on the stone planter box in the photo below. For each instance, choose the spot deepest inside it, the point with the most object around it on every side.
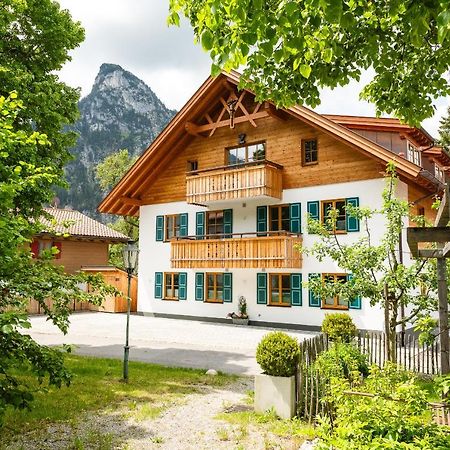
(277, 393)
(238, 321)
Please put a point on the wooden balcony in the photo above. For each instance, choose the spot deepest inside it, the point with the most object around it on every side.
(256, 179)
(240, 251)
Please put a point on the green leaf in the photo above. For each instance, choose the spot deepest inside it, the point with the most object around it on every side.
(305, 70)
(327, 55)
(207, 40)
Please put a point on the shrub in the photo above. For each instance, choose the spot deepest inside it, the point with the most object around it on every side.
(342, 360)
(278, 354)
(394, 416)
(339, 327)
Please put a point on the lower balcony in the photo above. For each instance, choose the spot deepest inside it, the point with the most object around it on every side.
(274, 250)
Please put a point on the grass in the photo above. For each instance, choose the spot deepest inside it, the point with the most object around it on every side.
(97, 385)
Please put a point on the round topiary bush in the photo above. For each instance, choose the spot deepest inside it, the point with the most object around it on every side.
(339, 327)
(278, 354)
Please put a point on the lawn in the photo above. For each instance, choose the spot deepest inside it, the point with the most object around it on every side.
(97, 385)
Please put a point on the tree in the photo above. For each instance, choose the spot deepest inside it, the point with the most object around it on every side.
(289, 50)
(35, 39)
(23, 278)
(108, 173)
(377, 272)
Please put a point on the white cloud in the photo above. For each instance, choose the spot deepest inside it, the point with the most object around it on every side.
(134, 34)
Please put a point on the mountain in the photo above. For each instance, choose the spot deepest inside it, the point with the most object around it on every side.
(121, 111)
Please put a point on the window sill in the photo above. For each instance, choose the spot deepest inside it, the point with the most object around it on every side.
(306, 164)
(334, 307)
(168, 299)
(213, 301)
(279, 305)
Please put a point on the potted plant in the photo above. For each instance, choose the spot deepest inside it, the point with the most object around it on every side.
(278, 355)
(241, 317)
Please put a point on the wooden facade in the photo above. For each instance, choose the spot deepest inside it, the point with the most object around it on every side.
(273, 251)
(236, 182)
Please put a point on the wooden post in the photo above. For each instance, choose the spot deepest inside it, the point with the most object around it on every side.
(443, 315)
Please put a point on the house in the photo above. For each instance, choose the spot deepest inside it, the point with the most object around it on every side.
(223, 195)
(81, 241)
(83, 244)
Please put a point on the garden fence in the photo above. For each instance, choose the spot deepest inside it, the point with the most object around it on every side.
(311, 388)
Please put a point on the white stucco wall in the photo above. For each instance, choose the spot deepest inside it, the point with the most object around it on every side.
(155, 257)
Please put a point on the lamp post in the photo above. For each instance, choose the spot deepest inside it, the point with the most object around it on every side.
(130, 254)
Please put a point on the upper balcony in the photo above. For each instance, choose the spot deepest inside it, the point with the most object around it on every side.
(234, 182)
(274, 250)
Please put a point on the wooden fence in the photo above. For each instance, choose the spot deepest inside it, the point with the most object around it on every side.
(311, 387)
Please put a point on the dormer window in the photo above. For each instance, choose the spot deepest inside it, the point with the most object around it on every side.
(413, 155)
(245, 154)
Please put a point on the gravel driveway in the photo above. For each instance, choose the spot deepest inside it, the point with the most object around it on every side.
(171, 342)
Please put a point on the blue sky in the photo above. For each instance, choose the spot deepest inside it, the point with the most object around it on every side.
(134, 34)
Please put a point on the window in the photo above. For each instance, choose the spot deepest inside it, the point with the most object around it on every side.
(334, 302)
(172, 227)
(279, 218)
(310, 154)
(171, 286)
(439, 172)
(214, 223)
(280, 289)
(245, 154)
(214, 287)
(341, 219)
(413, 154)
(192, 166)
(39, 246)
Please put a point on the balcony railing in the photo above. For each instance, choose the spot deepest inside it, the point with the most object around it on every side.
(255, 179)
(274, 250)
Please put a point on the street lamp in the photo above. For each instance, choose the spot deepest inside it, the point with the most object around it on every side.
(130, 254)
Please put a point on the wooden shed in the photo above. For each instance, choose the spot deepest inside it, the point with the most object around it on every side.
(119, 279)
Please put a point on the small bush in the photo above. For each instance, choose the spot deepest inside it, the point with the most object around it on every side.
(278, 354)
(339, 327)
(342, 360)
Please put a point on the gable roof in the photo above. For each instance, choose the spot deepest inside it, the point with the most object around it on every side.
(80, 226)
(125, 197)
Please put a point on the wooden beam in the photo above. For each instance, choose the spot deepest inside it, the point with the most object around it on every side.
(429, 253)
(446, 250)
(225, 123)
(192, 129)
(131, 201)
(443, 214)
(432, 234)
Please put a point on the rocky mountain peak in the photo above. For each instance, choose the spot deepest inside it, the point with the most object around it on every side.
(121, 111)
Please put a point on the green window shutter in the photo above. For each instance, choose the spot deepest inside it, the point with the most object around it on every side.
(200, 225)
(182, 286)
(199, 286)
(261, 219)
(159, 228)
(352, 222)
(227, 287)
(314, 300)
(261, 288)
(228, 222)
(355, 303)
(183, 224)
(158, 284)
(296, 289)
(295, 213)
(313, 210)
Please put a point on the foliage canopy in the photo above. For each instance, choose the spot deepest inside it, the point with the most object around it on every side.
(290, 49)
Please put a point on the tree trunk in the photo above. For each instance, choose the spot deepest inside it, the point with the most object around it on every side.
(390, 324)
